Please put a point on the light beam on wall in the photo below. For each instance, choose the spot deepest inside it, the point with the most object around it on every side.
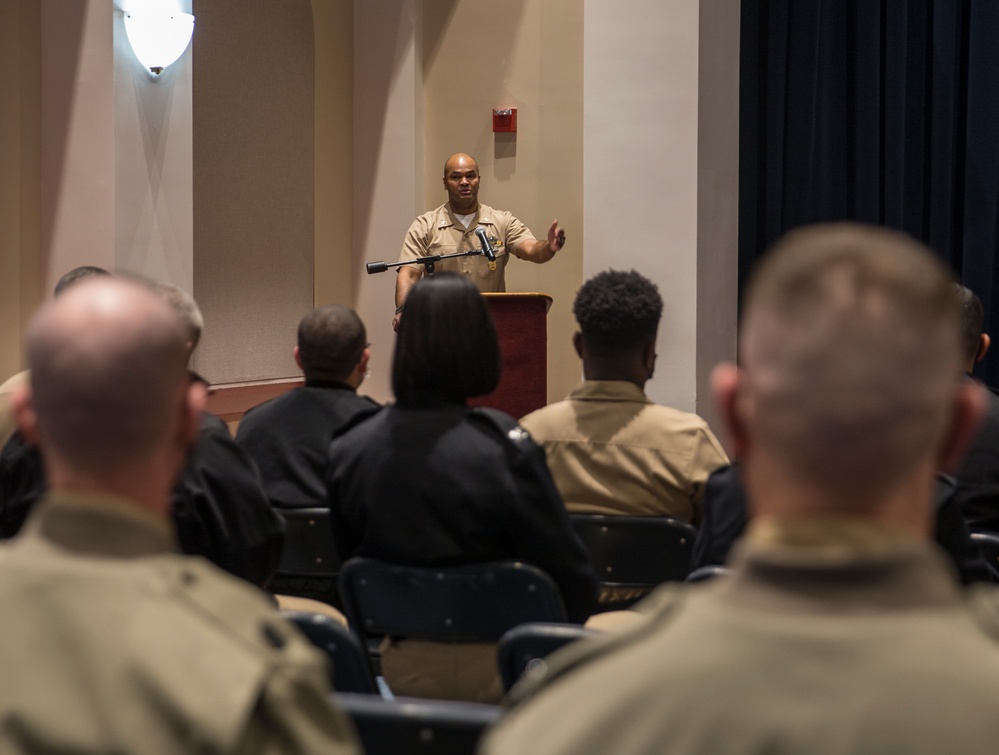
(158, 34)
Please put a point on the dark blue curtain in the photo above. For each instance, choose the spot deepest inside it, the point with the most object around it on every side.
(882, 111)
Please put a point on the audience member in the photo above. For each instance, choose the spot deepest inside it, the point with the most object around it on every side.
(430, 481)
(726, 513)
(978, 476)
(7, 423)
(219, 507)
(112, 643)
(289, 436)
(610, 449)
(841, 629)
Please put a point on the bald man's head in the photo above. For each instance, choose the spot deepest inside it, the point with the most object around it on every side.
(851, 349)
(108, 374)
(461, 181)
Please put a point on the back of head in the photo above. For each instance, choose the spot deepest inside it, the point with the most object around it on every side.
(972, 316)
(108, 368)
(186, 309)
(447, 342)
(78, 274)
(617, 311)
(850, 352)
(331, 340)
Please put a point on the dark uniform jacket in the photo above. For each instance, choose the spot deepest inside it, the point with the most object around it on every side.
(289, 439)
(219, 509)
(440, 484)
(725, 517)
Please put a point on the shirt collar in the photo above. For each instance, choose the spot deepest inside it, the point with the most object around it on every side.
(99, 525)
(608, 390)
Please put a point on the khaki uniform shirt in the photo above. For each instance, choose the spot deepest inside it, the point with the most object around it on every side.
(439, 232)
(613, 451)
(830, 637)
(111, 643)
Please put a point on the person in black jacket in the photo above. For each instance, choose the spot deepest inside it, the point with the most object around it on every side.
(433, 482)
(289, 436)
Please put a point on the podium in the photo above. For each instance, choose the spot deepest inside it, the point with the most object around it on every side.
(522, 327)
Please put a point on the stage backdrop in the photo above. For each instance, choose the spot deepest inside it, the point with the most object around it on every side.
(876, 111)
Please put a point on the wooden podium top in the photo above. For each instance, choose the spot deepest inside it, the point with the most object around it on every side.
(520, 294)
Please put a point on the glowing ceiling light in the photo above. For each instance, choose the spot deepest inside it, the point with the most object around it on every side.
(158, 34)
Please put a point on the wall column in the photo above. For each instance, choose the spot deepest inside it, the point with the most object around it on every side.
(661, 172)
(388, 162)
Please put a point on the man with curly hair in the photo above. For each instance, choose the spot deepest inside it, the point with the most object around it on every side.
(610, 449)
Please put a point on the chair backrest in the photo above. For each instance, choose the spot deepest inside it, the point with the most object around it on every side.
(988, 544)
(308, 543)
(477, 602)
(350, 670)
(410, 726)
(636, 551)
(704, 573)
(526, 646)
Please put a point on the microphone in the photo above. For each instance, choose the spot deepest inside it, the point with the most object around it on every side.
(376, 267)
(487, 248)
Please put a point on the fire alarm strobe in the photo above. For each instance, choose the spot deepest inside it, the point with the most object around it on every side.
(505, 121)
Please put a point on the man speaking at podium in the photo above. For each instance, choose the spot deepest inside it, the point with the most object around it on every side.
(452, 228)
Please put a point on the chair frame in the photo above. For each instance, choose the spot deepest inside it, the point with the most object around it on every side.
(523, 646)
(309, 567)
(413, 726)
(621, 548)
(349, 668)
(476, 602)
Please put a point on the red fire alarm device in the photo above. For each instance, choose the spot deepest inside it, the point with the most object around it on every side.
(505, 121)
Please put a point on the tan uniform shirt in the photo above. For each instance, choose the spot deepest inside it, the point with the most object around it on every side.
(862, 645)
(439, 232)
(613, 451)
(111, 643)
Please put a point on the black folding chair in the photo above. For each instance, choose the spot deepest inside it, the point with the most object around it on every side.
(349, 667)
(988, 544)
(477, 602)
(704, 573)
(526, 646)
(309, 565)
(411, 726)
(636, 552)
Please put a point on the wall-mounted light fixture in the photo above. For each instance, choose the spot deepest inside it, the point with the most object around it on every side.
(159, 33)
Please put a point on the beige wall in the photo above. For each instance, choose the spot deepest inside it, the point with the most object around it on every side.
(78, 180)
(388, 161)
(334, 27)
(529, 56)
(21, 271)
(153, 162)
(254, 222)
(661, 173)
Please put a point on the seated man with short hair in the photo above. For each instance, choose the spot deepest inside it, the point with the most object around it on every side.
(289, 436)
(113, 643)
(610, 448)
(842, 628)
